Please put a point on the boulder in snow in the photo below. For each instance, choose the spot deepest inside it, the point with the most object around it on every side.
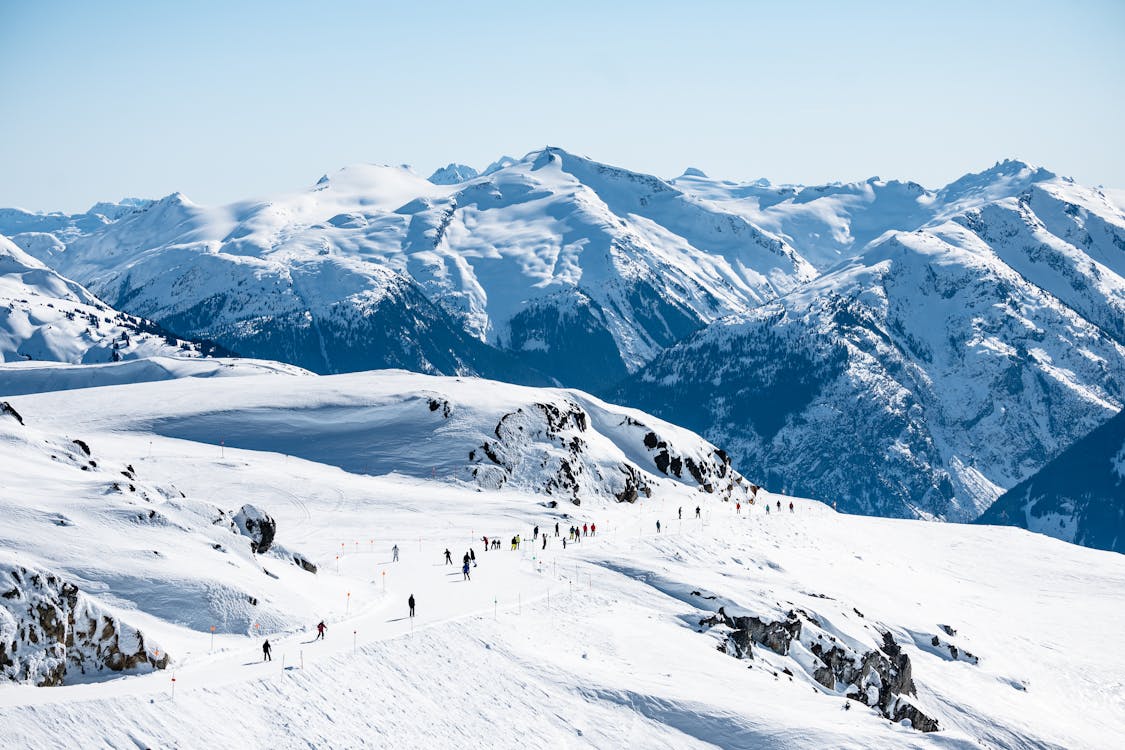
(258, 525)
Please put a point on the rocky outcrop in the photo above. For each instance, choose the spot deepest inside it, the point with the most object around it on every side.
(745, 630)
(880, 678)
(546, 448)
(50, 631)
(258, 525)
(9, 410)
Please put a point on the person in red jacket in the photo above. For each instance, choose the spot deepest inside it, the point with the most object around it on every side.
(320, 628)
(593, 529)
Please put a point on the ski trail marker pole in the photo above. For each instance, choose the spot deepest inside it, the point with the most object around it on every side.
(173, 686)
(348, 604)
(353, 642)
(212, 640)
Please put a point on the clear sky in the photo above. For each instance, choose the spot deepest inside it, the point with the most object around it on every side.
(226, 100)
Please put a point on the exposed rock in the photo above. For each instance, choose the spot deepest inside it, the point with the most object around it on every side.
(257, 525)
(6, 408)
(82, 444)
(881, 678)
(776, 636)
(50, 630)
(304, 562)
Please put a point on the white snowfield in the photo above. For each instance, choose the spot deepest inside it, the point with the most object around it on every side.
(595, 645)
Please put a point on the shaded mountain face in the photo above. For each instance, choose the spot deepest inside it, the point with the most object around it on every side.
(922, 378)
(44, 316)
(900, 350)
(1077, 497)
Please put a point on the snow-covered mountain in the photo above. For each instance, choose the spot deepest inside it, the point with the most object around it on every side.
(1078, 497)
(927, 374)
(930, 323)
(161, 531)
(582, 270)
(44, 316)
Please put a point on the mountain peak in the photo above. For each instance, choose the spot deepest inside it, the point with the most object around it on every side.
(453, 174)
(1002, 174)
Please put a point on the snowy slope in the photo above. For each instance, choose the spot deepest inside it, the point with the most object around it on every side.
(922, 378)
(1078, 497)
(553, 257)
(831, 223)
(19, 378)
(614, 641)
(44, 316)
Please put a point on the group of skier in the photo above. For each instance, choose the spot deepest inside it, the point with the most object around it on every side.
(573, 534)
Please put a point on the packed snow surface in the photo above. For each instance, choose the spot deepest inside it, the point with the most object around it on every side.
(128, 492)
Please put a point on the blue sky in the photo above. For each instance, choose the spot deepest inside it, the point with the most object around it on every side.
(226, 100)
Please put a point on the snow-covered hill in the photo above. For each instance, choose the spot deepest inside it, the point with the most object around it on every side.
(44, 316)
(20, 378)
(921, 378)
(125, 527)
(1078, 497)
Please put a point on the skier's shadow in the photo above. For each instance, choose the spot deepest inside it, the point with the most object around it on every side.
(397, 619)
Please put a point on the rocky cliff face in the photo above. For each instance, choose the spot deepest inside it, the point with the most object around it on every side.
(51, 631)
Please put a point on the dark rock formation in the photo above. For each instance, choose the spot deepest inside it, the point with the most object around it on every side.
(6, 408)
(881, 678)
(257, 525)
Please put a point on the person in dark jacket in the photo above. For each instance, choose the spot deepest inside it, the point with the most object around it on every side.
(448, 557)
(266, 651)
(410, 601)
(465, 570)
(320, 628)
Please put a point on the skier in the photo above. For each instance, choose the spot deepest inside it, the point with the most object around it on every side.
(564, 542)
(485, 540)
(767, 509)
(410, 601)
(465, 570)
(738, 508)
(779, 505)
(535, 533)
(697, 511)
(266, 649)
(593, 529)
(790, 506)
(658, 527)
(556, 528)
(448, 557)
(585, 529)
(473, 556)
(681, 513)
(320, 628)
(544, 541)
(394, 553)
